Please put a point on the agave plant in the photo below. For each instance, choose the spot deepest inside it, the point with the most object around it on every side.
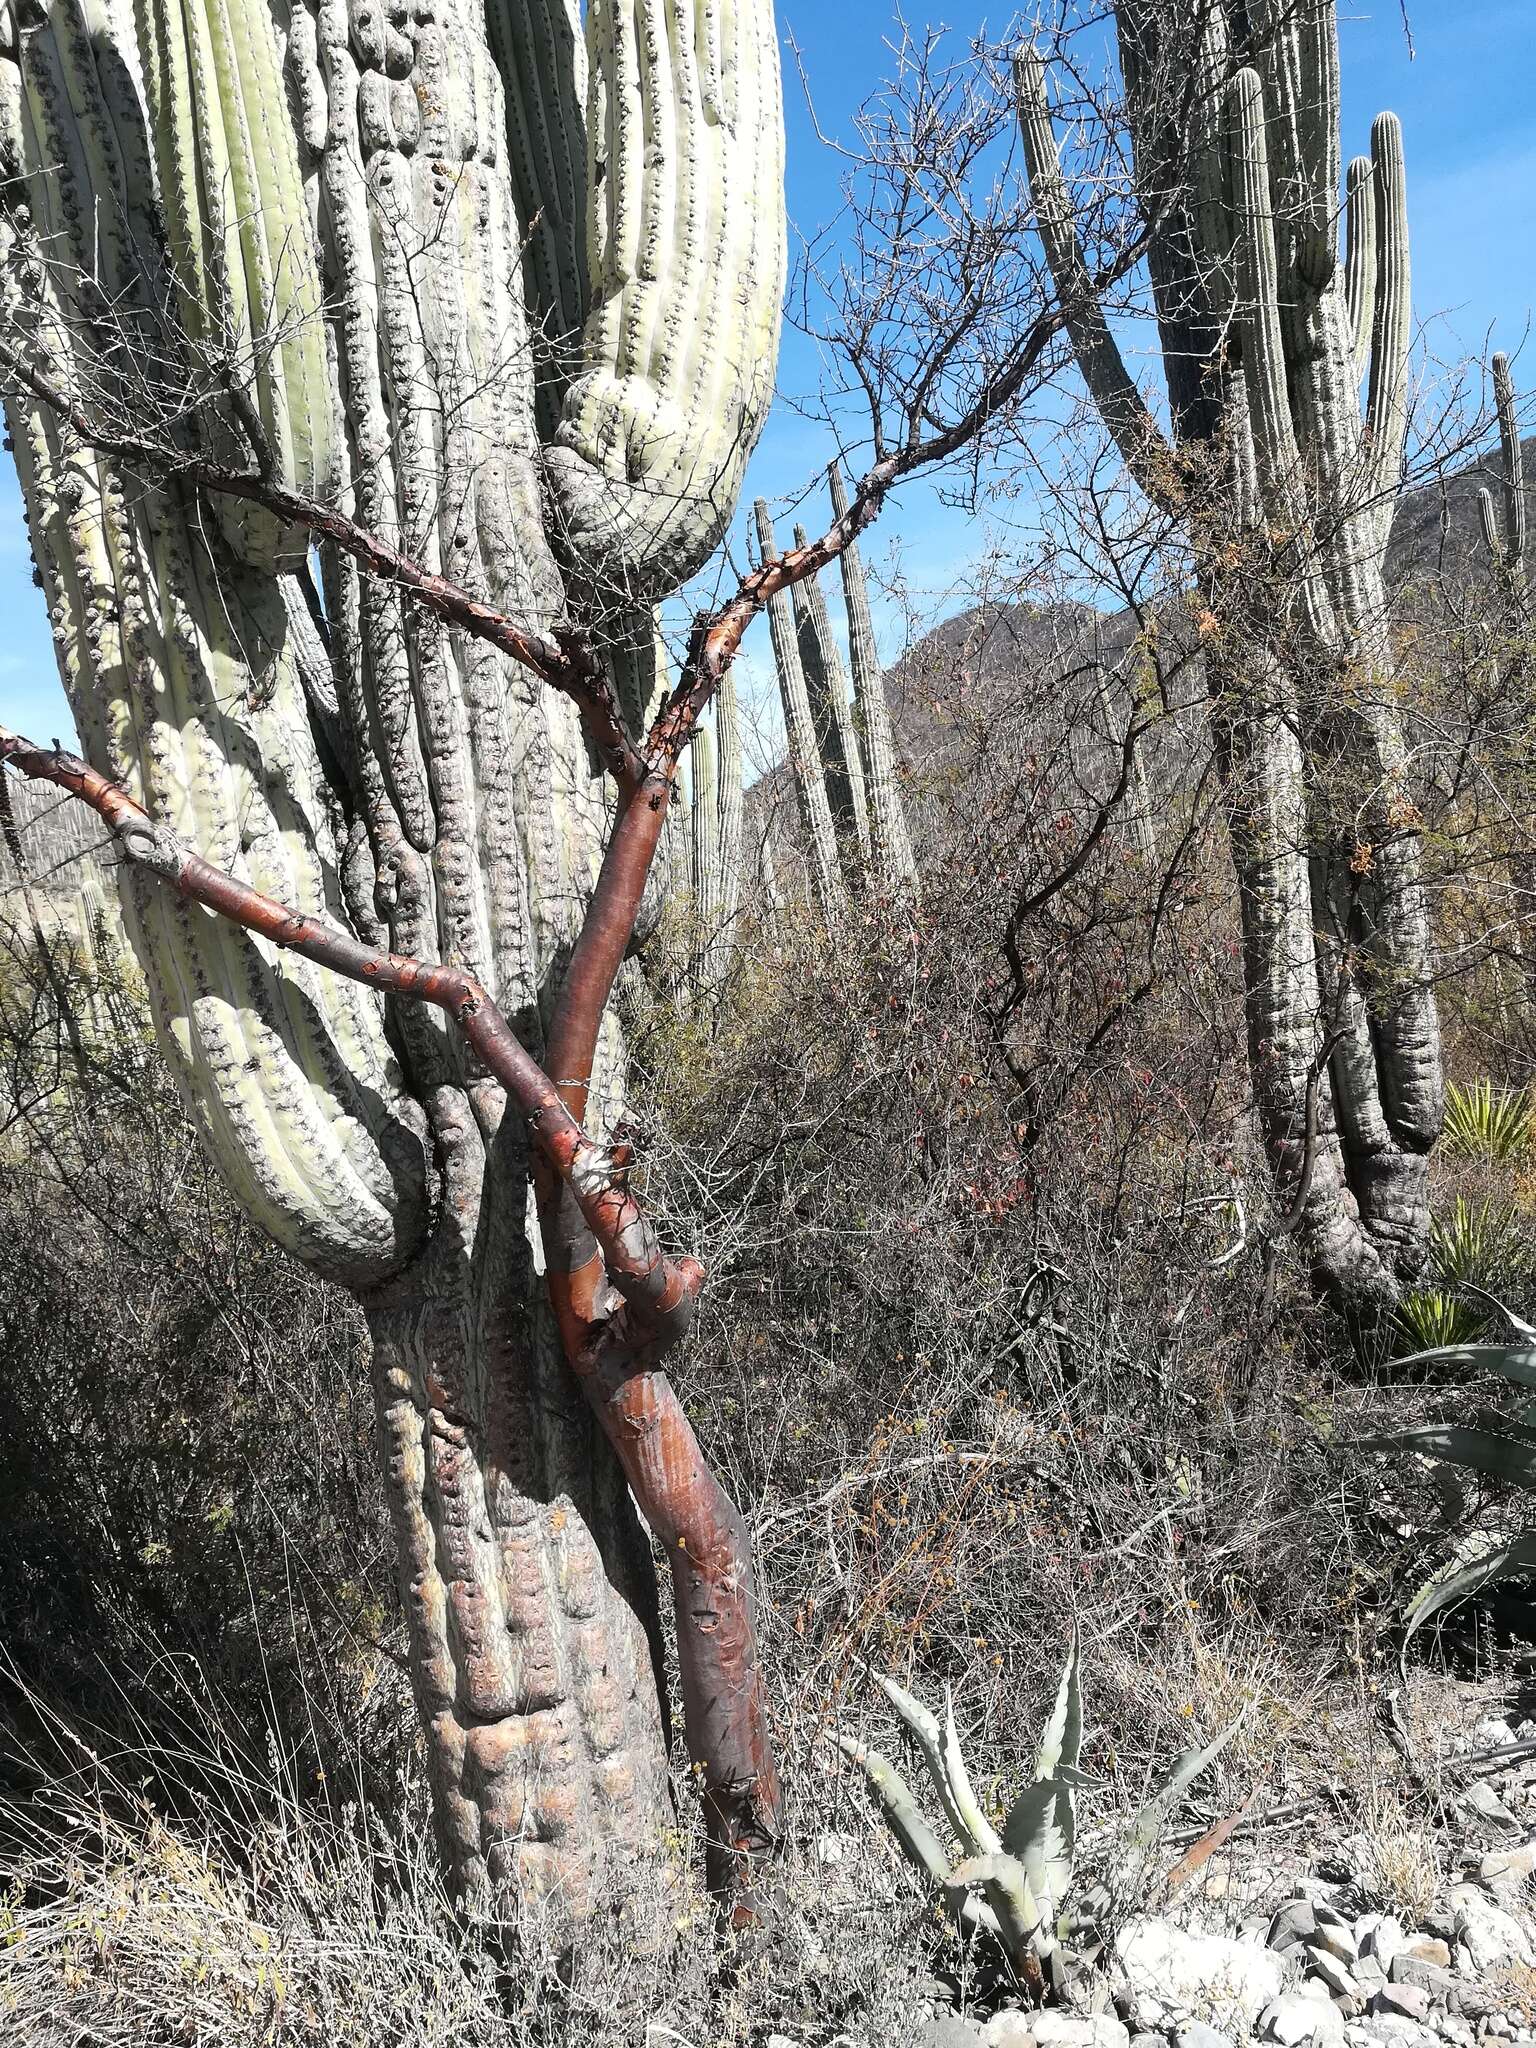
(1484, 1122)
(1022, 1867)
(1495, 1443)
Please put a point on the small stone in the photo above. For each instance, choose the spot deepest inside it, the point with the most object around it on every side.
(1330, 1971)
(1492, 1733)
(1452, 2027)
(1409, 2001)
(1077, 2030)
(1295, 2017)
(1425, 1948)
(1196, 2034)
(1295, 1922)
(948, 2031)
(1491, 1935)
(1369, 1974)
(1010, 2030)
(1148, 2041)
(1482, 1805)
(1429, 1977)
(1335, 1940)
(1380, 1937)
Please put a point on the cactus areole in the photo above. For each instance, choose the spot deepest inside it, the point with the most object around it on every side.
(372, 372)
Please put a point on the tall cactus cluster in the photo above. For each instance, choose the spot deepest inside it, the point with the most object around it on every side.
(506, 292)
(842, 754)
(1504, 522)
(1284, 489)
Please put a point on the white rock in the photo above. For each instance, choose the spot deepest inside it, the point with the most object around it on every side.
(1381, 1935)
(1492, 1733)
(1011, 2030)
(1327, 1969)
(1505, 1870)
(1206, 1975)
(1490, 1935)
(1076, 2030)
(1296, 2017)
(1198, 2035)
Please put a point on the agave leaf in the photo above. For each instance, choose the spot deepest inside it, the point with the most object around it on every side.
(1462, 1576)
(1063, 1737)
(1475, 1450)
(930, 1741)
(1515, 1362)
(1153, 1817)
(1515, 1322)
(1041, 1831)
(979, 1829)
(903, 1815)
(1007, 1886)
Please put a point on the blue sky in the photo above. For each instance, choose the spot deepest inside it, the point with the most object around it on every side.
(1468, 105)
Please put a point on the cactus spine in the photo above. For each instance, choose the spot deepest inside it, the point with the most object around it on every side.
(1265, 335)
(550, 278)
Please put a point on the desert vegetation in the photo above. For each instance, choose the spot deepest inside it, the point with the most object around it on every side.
(680, 1366)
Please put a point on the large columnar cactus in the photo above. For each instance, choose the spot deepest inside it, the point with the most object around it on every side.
(512, 302)
(1504, 524)
(715, 842)
(1285, 494)
(841, 755)
(891, 855)
(805, 758)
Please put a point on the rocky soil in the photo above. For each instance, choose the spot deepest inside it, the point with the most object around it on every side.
(1294, 1950)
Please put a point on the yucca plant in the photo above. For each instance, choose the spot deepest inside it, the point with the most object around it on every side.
(1480, 1244)
(1433, 1317)
(1494, 1443)
(1484, 1122)
(1023, 1866)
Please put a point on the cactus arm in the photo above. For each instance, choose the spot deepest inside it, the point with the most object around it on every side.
(890, 841)
(1121, 406)
(805, 764)
(246, 281)
(541, 55)
(728, 733)
(1258, 275)
(1392, 326)
(1510, 555)
(705, 820)
(826, 683)
(1360, 259)
(1298, 55)
(686, 256)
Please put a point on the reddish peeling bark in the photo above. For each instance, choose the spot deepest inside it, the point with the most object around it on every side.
(622, 1304)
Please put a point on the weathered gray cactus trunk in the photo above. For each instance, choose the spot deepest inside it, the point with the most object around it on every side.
(1285, 494)
(346, 242)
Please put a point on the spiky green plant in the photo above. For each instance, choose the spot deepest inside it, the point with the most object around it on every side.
(1484, 1122)
(1023, 1865)
(1434, 1316)
(1495, 1443)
